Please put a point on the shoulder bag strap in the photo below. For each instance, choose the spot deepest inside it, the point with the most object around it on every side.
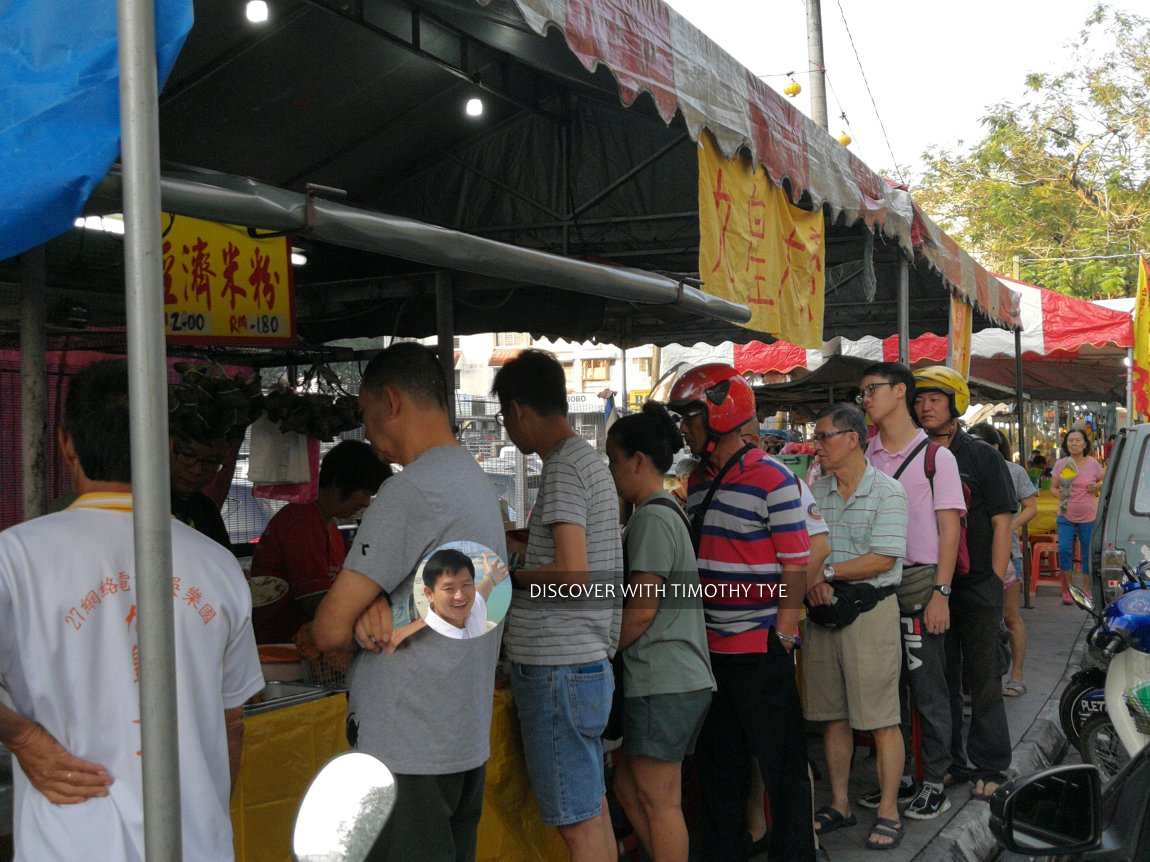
(701, 512)
(671, 504)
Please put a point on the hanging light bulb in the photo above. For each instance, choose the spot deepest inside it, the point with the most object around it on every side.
(792, 89)
(845, 139)
(256, 11)
(474, 107)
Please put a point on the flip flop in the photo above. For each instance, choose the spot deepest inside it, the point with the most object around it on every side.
(984, 789)
(1014, 688)
(831, 819)
(886, 828)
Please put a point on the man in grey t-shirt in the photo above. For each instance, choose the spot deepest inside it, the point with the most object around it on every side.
(561, 676)
(400, 693)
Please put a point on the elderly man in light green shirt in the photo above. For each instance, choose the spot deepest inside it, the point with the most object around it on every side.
(850, 674)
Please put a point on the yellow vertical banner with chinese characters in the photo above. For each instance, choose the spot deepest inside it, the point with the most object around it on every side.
(1140, 384)
(958, 342)
(758, 250)
(222, 286)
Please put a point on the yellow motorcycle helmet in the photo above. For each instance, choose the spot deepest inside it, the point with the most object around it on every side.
(939, 378)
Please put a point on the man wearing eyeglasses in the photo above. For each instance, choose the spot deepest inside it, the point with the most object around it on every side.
(899, 449)
(851, 674)
(194, 463)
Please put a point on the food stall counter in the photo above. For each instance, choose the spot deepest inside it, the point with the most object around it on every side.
(285, 747)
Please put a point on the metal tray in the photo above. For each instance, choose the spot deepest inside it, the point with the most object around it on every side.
(276, 695)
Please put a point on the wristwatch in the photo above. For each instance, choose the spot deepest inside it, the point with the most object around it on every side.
(828, 573)
(794, 640)
(943, 588)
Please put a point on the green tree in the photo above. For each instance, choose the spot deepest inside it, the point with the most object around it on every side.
(1063, 174)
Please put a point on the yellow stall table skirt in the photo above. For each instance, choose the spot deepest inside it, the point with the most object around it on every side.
(284, 749)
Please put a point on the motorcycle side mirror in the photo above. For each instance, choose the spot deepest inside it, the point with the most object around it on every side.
(1081, 599)
(1058, 810)
(344, 810)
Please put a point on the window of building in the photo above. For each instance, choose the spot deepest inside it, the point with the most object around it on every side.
(597, 370)
(569, 373)
(512, 339)
(643, 365)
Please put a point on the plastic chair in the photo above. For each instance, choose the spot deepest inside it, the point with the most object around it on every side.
(1044, 565)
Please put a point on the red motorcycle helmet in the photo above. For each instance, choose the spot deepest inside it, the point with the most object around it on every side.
(726, 398)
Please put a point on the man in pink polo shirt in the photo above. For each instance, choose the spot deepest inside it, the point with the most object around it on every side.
(899, 449)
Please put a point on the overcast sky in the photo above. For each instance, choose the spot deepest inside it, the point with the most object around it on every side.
(933, 67)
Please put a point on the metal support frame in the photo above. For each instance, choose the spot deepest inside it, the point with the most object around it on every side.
(148, 401)
(903, 311)
(445, 330)
(33, 384)
(1022, 449)
(354, 13)
(624, 178)
(511, 190)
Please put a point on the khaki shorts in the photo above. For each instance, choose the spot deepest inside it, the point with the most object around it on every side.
(852, 673)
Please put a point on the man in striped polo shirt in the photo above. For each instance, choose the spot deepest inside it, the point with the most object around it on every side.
(753, 548)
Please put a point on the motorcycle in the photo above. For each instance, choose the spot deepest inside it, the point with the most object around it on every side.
(1108, 740)
(344, 810)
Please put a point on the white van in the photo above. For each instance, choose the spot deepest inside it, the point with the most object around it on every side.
(1122, 528)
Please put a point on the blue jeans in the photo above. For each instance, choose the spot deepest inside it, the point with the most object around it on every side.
(563, 711)
(1067, 530)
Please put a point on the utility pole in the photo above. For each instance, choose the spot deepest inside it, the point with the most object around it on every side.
(818, 82)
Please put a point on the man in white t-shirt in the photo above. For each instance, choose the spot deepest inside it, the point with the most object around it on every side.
(69, 657)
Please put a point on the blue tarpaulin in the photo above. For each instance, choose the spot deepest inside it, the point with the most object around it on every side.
(60, 108)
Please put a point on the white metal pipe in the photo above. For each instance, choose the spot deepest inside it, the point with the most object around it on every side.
(238, 200)
(148, 384)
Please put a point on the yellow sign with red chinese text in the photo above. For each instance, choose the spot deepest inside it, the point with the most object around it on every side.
(758, 250)
(222, 286)
(958, 342)
(1140, 385)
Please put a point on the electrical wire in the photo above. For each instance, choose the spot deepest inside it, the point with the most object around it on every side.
(1083, 257)
(881, 125)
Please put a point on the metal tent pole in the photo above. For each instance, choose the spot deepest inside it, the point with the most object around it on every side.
(1022, 449)
(148, 384)
(445, 332)
(33, 385)
(904, 312)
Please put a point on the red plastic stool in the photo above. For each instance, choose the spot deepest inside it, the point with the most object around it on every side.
(1044, 565)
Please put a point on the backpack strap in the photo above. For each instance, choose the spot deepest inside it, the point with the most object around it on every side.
(657, 501)
(910, 458)
(928, 464)
(671, 504)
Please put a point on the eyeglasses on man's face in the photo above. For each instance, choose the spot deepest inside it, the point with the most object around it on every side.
(869, 390)
(193, 461)
(824, 436)
(687, 415)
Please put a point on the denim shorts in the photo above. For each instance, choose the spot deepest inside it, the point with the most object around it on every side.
(563, 711)
(1067, 531)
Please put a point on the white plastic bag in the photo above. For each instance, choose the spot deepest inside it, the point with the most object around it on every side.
(277, 458)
